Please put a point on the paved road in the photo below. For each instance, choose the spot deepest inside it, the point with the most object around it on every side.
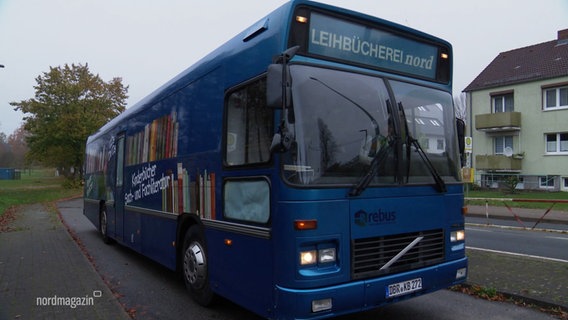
(535, 243)
(149, 291)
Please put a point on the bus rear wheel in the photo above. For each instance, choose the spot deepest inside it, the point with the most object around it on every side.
(195, 267)
(103, 226)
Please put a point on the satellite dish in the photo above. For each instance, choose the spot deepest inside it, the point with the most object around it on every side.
(508, 151)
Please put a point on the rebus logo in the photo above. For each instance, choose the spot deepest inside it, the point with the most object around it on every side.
(363, 218)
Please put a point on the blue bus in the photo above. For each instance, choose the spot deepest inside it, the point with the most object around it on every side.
(307, 168)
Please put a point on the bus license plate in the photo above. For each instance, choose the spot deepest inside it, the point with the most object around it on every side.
(401, 288)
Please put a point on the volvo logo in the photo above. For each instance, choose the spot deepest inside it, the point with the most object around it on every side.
(363, 218)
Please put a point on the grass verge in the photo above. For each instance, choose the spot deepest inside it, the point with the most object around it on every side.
(36, 186)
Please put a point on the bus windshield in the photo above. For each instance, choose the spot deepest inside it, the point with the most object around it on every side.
(343, 122)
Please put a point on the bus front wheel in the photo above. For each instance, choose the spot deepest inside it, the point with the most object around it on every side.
(195, 268)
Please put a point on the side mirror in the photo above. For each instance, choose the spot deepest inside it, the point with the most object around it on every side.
(279, 95)
(281, 142)
(460, 128)
(274, 86)
(278, 80)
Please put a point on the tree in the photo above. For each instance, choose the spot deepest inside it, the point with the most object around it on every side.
(70, 103)
(18, 146)
(5, 152)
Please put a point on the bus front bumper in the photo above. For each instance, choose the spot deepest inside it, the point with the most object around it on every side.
(366, 294)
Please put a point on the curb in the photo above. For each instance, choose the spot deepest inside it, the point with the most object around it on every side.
(548, 307)
(484, 225)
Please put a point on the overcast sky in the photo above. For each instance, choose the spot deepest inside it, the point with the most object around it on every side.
(147, 42)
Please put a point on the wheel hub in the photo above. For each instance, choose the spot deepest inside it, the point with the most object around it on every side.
(194, 265)
(104, 223)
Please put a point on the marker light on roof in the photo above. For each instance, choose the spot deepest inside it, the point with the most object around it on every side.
(301, 19)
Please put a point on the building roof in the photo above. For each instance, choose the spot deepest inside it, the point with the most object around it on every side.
(537, 62)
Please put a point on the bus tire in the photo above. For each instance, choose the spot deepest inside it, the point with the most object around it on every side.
(195, 269)
(103, 226)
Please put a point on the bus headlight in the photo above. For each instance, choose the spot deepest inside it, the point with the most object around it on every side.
(326, 255)
(458, 235)
(308, 257)
(321, 256)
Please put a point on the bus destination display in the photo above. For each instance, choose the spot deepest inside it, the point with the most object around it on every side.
(347, 41)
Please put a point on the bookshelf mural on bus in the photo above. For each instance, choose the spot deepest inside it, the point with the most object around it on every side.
(157, 141)
(155, 178)
(178, 192)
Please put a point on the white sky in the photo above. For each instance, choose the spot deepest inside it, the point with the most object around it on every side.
(147, 42)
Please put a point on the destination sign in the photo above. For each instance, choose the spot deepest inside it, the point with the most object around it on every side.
(344, 40)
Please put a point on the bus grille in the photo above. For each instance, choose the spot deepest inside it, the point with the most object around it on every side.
(371, 254)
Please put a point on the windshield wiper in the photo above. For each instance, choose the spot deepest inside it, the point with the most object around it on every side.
(410, 141)
(379, 157)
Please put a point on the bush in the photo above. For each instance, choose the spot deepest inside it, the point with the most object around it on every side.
(72, 183)
(510, 184)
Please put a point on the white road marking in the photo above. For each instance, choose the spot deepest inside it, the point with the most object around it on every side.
(477, 229)
(559, 238)
(517, 254)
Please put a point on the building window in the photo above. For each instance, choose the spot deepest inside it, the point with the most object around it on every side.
(503, 103)
(555, 98)
(440, 144)
(546, 182)
(503, 142)
(556, 143)
(565, 183)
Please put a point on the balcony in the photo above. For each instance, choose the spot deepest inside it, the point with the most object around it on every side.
(498, 163)
(500, 121)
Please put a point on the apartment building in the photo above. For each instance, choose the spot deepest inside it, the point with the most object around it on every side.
(518, 117)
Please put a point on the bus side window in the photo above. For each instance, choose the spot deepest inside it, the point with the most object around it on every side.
(119, 161)
(249, 125)
(247, 200)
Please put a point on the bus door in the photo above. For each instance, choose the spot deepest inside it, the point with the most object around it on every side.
(246, 189)
(118, 216)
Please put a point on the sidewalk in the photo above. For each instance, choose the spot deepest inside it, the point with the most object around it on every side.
(534, 281)
(44, 274)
